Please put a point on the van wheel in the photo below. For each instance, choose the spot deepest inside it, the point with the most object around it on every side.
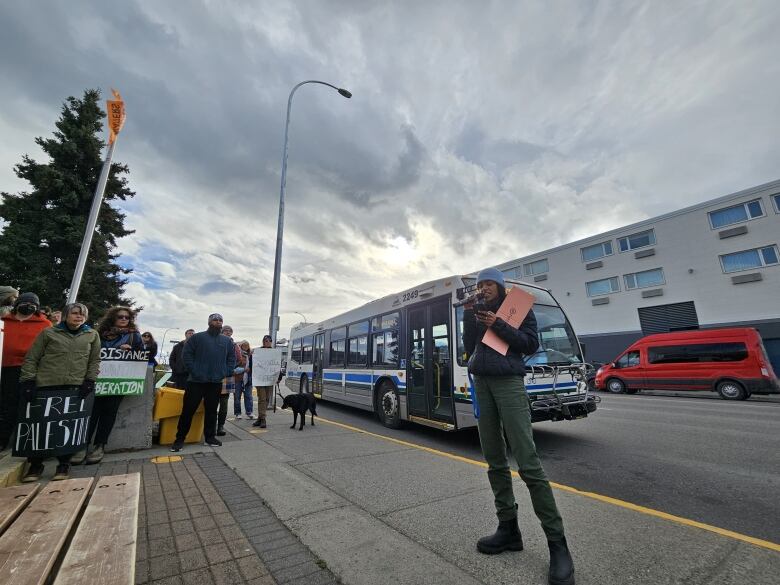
(731, 390)
(304, 385)
(388, 407)
(616, 386)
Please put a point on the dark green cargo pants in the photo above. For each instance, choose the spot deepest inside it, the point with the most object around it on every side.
(503, 405)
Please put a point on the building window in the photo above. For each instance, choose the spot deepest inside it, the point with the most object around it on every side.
(749, 259)
(644, 279)
(538, 267)
(736, 214)
(596, 251)
(776, 201)
(638, 240)
(512, 273)
(604, 286)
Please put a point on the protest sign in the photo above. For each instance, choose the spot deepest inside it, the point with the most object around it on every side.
(122, 372)
(54, 423)
(266, 365)
(512, 311)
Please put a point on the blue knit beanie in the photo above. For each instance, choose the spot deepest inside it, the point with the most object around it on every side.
(493, 274)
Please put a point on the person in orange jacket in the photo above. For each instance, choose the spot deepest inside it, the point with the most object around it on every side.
(21, 326)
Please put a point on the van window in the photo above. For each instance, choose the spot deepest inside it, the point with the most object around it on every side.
(699, 352)
(628, 359)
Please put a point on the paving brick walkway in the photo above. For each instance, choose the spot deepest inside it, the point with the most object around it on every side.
(200, 524)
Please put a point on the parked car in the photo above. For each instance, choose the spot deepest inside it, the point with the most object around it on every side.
(590, 374)
(733, 362)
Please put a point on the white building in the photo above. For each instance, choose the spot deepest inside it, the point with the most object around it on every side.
(715, 264)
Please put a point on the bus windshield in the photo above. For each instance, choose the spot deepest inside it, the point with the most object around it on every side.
(557, 343)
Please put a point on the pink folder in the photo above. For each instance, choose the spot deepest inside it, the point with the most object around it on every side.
(513, 310)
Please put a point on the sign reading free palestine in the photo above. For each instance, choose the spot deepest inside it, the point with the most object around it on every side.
(122, 372)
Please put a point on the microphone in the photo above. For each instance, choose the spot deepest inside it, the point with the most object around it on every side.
(476, 297)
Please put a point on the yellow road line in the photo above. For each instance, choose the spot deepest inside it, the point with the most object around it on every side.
(606, 499)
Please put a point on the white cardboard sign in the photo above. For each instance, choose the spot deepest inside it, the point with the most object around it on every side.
(266, 365)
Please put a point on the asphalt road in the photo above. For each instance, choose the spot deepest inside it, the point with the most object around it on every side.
(708, 460)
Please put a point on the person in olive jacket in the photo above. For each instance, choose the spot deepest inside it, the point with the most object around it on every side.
(66, 355)
(504, 408)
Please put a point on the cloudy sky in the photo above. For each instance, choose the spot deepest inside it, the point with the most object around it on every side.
(478, 132)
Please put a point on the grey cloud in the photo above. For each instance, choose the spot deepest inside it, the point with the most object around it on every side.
(218, 286)
(476, 131)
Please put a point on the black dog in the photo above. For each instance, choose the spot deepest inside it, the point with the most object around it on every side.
(300, 403)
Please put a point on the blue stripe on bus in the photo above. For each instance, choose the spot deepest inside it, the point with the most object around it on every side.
(360, 378)
(367, 379)
(546, 386)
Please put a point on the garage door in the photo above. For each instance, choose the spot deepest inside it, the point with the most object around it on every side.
(666, 318)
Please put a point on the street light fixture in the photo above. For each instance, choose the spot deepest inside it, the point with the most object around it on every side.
(162, 345)
(305, 322)
(273, 321)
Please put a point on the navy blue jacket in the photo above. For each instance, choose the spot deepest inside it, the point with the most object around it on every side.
(209, 358)
(132, 338)
(486, 361)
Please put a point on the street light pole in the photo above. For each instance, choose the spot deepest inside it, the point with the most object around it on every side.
(273, 321)
(163, 340)
(305, 322)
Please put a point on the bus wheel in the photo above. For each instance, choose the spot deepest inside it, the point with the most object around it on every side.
(388, 406)
(731, 390)
(616, 386)
(304, 385)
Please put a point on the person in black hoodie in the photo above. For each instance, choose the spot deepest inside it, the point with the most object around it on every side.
(504, 407)
(176, 361)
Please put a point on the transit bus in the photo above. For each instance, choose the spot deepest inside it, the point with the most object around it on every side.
(402, 357)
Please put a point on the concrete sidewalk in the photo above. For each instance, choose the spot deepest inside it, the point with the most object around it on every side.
(376, 511)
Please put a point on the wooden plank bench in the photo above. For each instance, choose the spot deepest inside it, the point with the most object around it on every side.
(13, 500)
(102, 547)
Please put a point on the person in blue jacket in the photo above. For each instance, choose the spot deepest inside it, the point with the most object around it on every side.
(209, 358)
(117, 329)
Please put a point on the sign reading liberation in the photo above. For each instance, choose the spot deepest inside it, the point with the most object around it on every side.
(266, 365)
(122, 372)
(54, 423)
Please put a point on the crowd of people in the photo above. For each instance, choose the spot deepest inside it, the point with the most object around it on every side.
(210, 366)
(47, 351)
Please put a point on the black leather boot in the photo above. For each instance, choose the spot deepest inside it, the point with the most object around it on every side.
(561, 565)
(506, 537)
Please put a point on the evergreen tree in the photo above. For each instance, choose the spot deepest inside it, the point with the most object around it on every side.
(44, 227)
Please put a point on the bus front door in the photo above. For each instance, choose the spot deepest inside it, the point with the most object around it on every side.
(317, 357)
(429, 364)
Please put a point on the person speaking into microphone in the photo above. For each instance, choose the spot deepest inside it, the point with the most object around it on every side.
(504, 406)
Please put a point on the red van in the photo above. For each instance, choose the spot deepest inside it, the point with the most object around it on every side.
(732, 362)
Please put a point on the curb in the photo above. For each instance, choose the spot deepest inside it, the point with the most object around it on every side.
(11, 469)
